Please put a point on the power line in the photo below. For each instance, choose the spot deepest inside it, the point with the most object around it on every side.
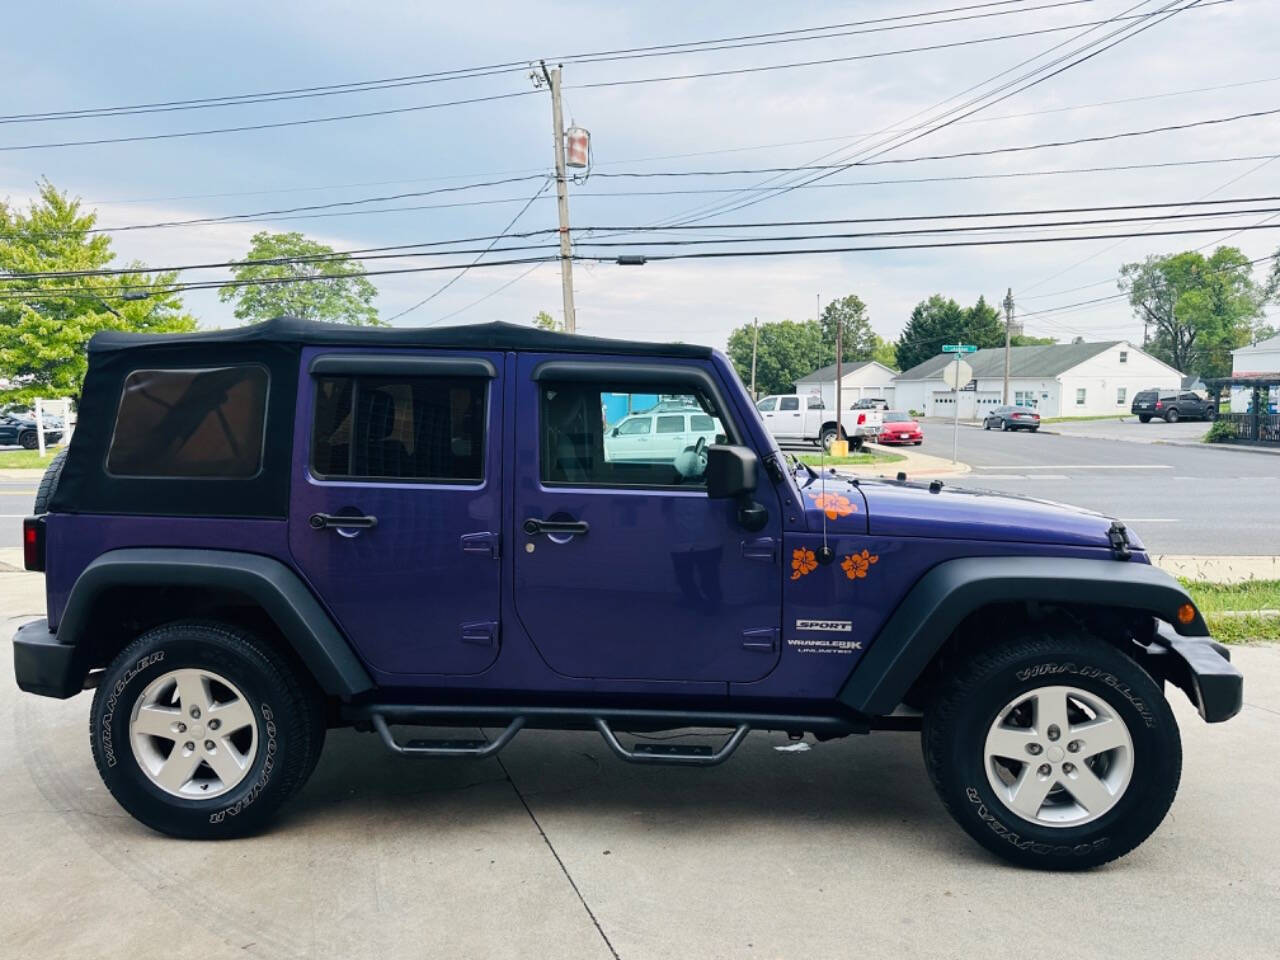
(1033, 77)
(270, 126)
(430, 248)
(454, 279)
(706, 210)
(875, 25)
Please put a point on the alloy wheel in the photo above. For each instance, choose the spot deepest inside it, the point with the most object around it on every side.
(194, 734)
(1058, 756)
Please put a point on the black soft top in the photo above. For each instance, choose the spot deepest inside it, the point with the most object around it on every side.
(478, 336)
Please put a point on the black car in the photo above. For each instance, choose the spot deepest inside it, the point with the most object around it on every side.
(22, 431)
(1012, 418)
(1172, 406)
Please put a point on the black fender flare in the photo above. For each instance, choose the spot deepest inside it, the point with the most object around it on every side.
(943, 597)
(280, 592)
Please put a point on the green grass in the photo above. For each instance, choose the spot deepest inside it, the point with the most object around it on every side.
(25, 459)
(1096, 416)
(854, 459)
(1229, 609)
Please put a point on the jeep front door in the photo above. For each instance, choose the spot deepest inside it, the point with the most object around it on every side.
(397, 503)
(626, 569)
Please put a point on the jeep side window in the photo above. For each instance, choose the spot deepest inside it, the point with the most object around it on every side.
(399, 428)
(190, 423)
(619, 445)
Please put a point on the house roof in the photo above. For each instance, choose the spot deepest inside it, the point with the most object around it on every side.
(1271, 343)
(1047, 360)
(829, 371)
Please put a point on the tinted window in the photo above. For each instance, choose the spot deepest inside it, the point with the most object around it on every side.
(589, 436)
(815, 403)
(789, 403)
(190, 423)
(399, 428)
(767, 404)
(896, 416)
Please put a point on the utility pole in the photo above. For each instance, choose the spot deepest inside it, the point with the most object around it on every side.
(562, 200)
(755, 340)
(839, 371)
(1008, 337)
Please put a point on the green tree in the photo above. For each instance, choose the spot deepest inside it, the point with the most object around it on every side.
(849, 315)
(1022, 340)
(885, 351)
(545, 321)
(787, 351)
(45, 324)
(1199, 308)
(330, 287)
(940, 320)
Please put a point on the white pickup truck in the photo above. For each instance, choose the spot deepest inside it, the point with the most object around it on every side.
(792, 418)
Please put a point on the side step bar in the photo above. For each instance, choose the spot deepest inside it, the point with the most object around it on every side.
(517, 718)
(446, 748)
(685, 754)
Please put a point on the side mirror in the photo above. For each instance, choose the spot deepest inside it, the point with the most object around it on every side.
(731, 472)
(613, 432)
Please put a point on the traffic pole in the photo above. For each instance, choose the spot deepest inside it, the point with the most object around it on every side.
(1008, 337)
(955, 435)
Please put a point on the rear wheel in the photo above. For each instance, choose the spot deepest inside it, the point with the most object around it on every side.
(28, 440)
(1054, 751)
(1171, 415)
(986, 424)
(49, 483)
(200, 730)
(1005, 426)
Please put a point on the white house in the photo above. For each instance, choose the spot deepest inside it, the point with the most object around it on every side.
(1059, 380)
(868, 378)
(1260, 360)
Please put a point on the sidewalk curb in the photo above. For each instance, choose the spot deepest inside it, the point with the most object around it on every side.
(1201, 445)
(22, 473)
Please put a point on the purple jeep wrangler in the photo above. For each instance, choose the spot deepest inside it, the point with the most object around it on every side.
(261, 533)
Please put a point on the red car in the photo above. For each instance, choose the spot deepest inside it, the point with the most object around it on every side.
(900, 427)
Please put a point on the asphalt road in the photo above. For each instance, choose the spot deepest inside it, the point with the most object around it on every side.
(1180, 500)
(16, 497)
(556, 849)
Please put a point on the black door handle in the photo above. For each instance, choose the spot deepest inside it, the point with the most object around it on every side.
(326, 521)
(533, 526)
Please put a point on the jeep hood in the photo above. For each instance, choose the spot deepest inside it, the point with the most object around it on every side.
(956, 513)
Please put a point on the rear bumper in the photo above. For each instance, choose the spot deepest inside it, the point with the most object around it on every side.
(44, 666)
(1202, 669)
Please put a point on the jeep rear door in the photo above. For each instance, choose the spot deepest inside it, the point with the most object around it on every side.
(627, 570)
(397, 503)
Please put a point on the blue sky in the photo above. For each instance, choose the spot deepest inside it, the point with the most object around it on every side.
(96, 55)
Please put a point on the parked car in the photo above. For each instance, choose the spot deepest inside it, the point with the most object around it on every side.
(900, 427)
(660, 437)
(1012, 418)
(793, 418)
(871, 403)
(22, 431)
(1172, 406)
(261, 533)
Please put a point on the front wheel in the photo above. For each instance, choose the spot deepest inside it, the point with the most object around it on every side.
(1144, 418)
(986, 424)
(829, 436)
(1053, 751)
(200, 730)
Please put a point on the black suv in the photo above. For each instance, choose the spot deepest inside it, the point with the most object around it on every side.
(1172, 407)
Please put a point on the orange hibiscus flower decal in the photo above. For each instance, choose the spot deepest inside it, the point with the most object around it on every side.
(833, 504)
(802, 561)
(856, 565)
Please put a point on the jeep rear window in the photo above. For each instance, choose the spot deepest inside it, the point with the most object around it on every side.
(426, 429)
(190, 423)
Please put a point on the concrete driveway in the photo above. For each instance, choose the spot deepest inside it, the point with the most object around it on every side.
(559, 850)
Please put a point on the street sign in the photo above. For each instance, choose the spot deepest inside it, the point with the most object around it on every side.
(957, 373)
(959, 348)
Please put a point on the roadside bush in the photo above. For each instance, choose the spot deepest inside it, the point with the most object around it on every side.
(916, 413)
(1220, 432)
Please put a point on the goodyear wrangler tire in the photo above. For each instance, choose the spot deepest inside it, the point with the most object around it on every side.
(1054, 751)
(199, 730)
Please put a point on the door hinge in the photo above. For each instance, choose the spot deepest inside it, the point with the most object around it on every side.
(762, 548)
(483, 633)
(764, 639)
(485, 543)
